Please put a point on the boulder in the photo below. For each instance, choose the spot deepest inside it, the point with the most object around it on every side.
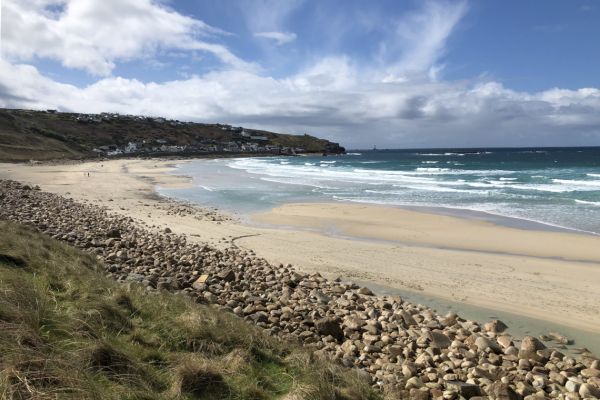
(590, 372)
(505, 341)
(414, 383)
(407, 318)
(329, 326)
(260, 316)
(365, 291)
(113, 233)
(353, 323)
(440, 340)
(227, 275)
(419, 394)
(200, 283)
(588, 391)
(495, 326)
(501, 391)
(483, 343)
(466, 390)
(210, 297)
(529, 346)
(558, 338)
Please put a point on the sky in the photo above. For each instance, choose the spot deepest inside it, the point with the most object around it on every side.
(396, 74)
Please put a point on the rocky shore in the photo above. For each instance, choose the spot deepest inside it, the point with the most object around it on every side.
(406, 349)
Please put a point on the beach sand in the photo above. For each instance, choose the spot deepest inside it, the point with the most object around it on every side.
(551, 276)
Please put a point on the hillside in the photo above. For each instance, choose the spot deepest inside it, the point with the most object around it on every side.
(67, 331)
(46, 135)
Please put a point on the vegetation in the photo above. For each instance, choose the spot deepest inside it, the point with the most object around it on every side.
(66, 331)
(40, 135)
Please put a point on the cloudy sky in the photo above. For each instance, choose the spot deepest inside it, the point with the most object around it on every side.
(388, 73)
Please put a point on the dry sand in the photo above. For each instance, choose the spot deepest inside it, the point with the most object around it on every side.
(552, 276)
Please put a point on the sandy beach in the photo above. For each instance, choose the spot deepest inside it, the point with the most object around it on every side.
(552, 276)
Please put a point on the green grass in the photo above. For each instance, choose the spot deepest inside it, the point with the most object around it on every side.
(66, 331)
(37, 135)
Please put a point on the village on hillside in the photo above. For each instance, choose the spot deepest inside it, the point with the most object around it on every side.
(246, 141)
(240, 140)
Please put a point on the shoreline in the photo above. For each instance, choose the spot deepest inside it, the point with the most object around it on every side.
(431, 271)
(510, 221)
(397, 344)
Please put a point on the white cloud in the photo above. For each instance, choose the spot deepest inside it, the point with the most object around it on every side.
(94, 35)
(332, 96)
(279, 37)
(328, 99)
(267, 15)
(420, 38)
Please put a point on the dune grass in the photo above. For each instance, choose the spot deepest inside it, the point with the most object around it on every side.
(67, 332)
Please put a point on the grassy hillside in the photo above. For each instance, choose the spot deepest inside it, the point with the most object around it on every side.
(68, 332)
(19, 143)
(26, 135)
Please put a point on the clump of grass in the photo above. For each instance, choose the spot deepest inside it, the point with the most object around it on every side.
(67, 332)
(200, 378)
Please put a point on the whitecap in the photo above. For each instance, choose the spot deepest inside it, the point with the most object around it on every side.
(590, 203)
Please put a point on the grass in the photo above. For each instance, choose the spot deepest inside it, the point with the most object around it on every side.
(36, 135)
(67, 332)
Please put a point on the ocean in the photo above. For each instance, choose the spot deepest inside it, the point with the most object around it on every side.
(556, 187)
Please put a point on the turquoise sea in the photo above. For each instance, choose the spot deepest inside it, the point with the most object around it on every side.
(557, 187)
(533, 188)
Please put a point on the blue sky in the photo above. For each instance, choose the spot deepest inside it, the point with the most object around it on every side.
(396, 73)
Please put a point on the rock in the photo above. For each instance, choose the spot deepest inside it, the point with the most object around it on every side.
(226, 275)
(505, 341)
(449, 319)
(261, 316)
(414, 383)
(572, 386)
(365, 291)
(353, 323)
(557, 337)
(590, 372)
(133, 277)
(395, 350)
(199, 283)
(408, 370)
(113, 233)
(419, 394)
(369, 349)
(407, 318)
(321, 298)
(466, 390)
(329, 326)
(239, 311)
(588, 391)
(495, 326)
(502, 391)
(483, 343)
(440, 340)
(529, 346)
(210, 297)
(167, 230)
